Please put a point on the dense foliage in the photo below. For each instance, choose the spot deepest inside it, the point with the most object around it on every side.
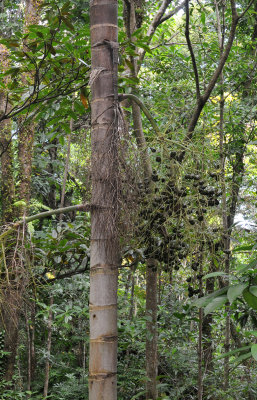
(195, 214)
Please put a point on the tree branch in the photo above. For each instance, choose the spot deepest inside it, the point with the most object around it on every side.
(215, 76)
(69, 274)
(158, 19)
(172, 12)
(190, 48)
(247, 8)
(45, 214)
(144, 109)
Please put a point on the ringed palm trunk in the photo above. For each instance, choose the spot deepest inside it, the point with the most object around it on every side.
(104, 215)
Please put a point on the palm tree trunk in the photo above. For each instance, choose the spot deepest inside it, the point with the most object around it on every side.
(104, 215)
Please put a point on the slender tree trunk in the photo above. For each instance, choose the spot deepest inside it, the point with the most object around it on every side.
(10, 311)
(67, 162)
(132, 293)
(226, 235)
(200, 336)
(32, 342)
(48, 346)
(28, 351)
(7, 184)
(151, 273)
(26, 131)
(31, 356)
(104, 216)
(13, 291)
(151, 305)
(207, 328)
(151, 330)
(8, 302)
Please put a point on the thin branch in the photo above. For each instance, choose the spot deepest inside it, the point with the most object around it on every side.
(158, 19)
(69, 274)
(247, 8)
(143, 108)
(61, 92)
(215, 76)
(190, 48)
(172, 12)
(45, 214)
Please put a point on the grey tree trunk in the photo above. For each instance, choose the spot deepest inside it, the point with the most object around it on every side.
(104, 255)
(48, 347)
(151, 330)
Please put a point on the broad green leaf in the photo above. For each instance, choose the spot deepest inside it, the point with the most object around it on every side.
(137, 32)
(68, 23)
(213, 274)
(249, 266)
(20, 203)
(254, 351)
(138, 395)
(203, 18)
(203, 301)
(61, 140)
(253, 290)
(232, 352)
(243, 248)
(250, 299)
(65, 7)
(40, 34)
(254, 333)
(179, 315)
(235, 291)
(243, 357)
(51, 48)
(214, 304)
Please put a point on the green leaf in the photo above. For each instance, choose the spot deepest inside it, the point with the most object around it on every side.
(232, 352)
(179, 315)
(243, 248)
(253, 290)
(138, 395)
(68, 23)
(40, 34)
(51, 48)
(249, 266)
(213, 274)
(254, 351)
(144, 46)
(203, 18)
(20, 203)
(214, 304)
(243, 357)
(61, 140)
(129, 64)
(235, 291)
(137, 32)
(65, 7)
(12, 71)
(203, 301)
(250, 299)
